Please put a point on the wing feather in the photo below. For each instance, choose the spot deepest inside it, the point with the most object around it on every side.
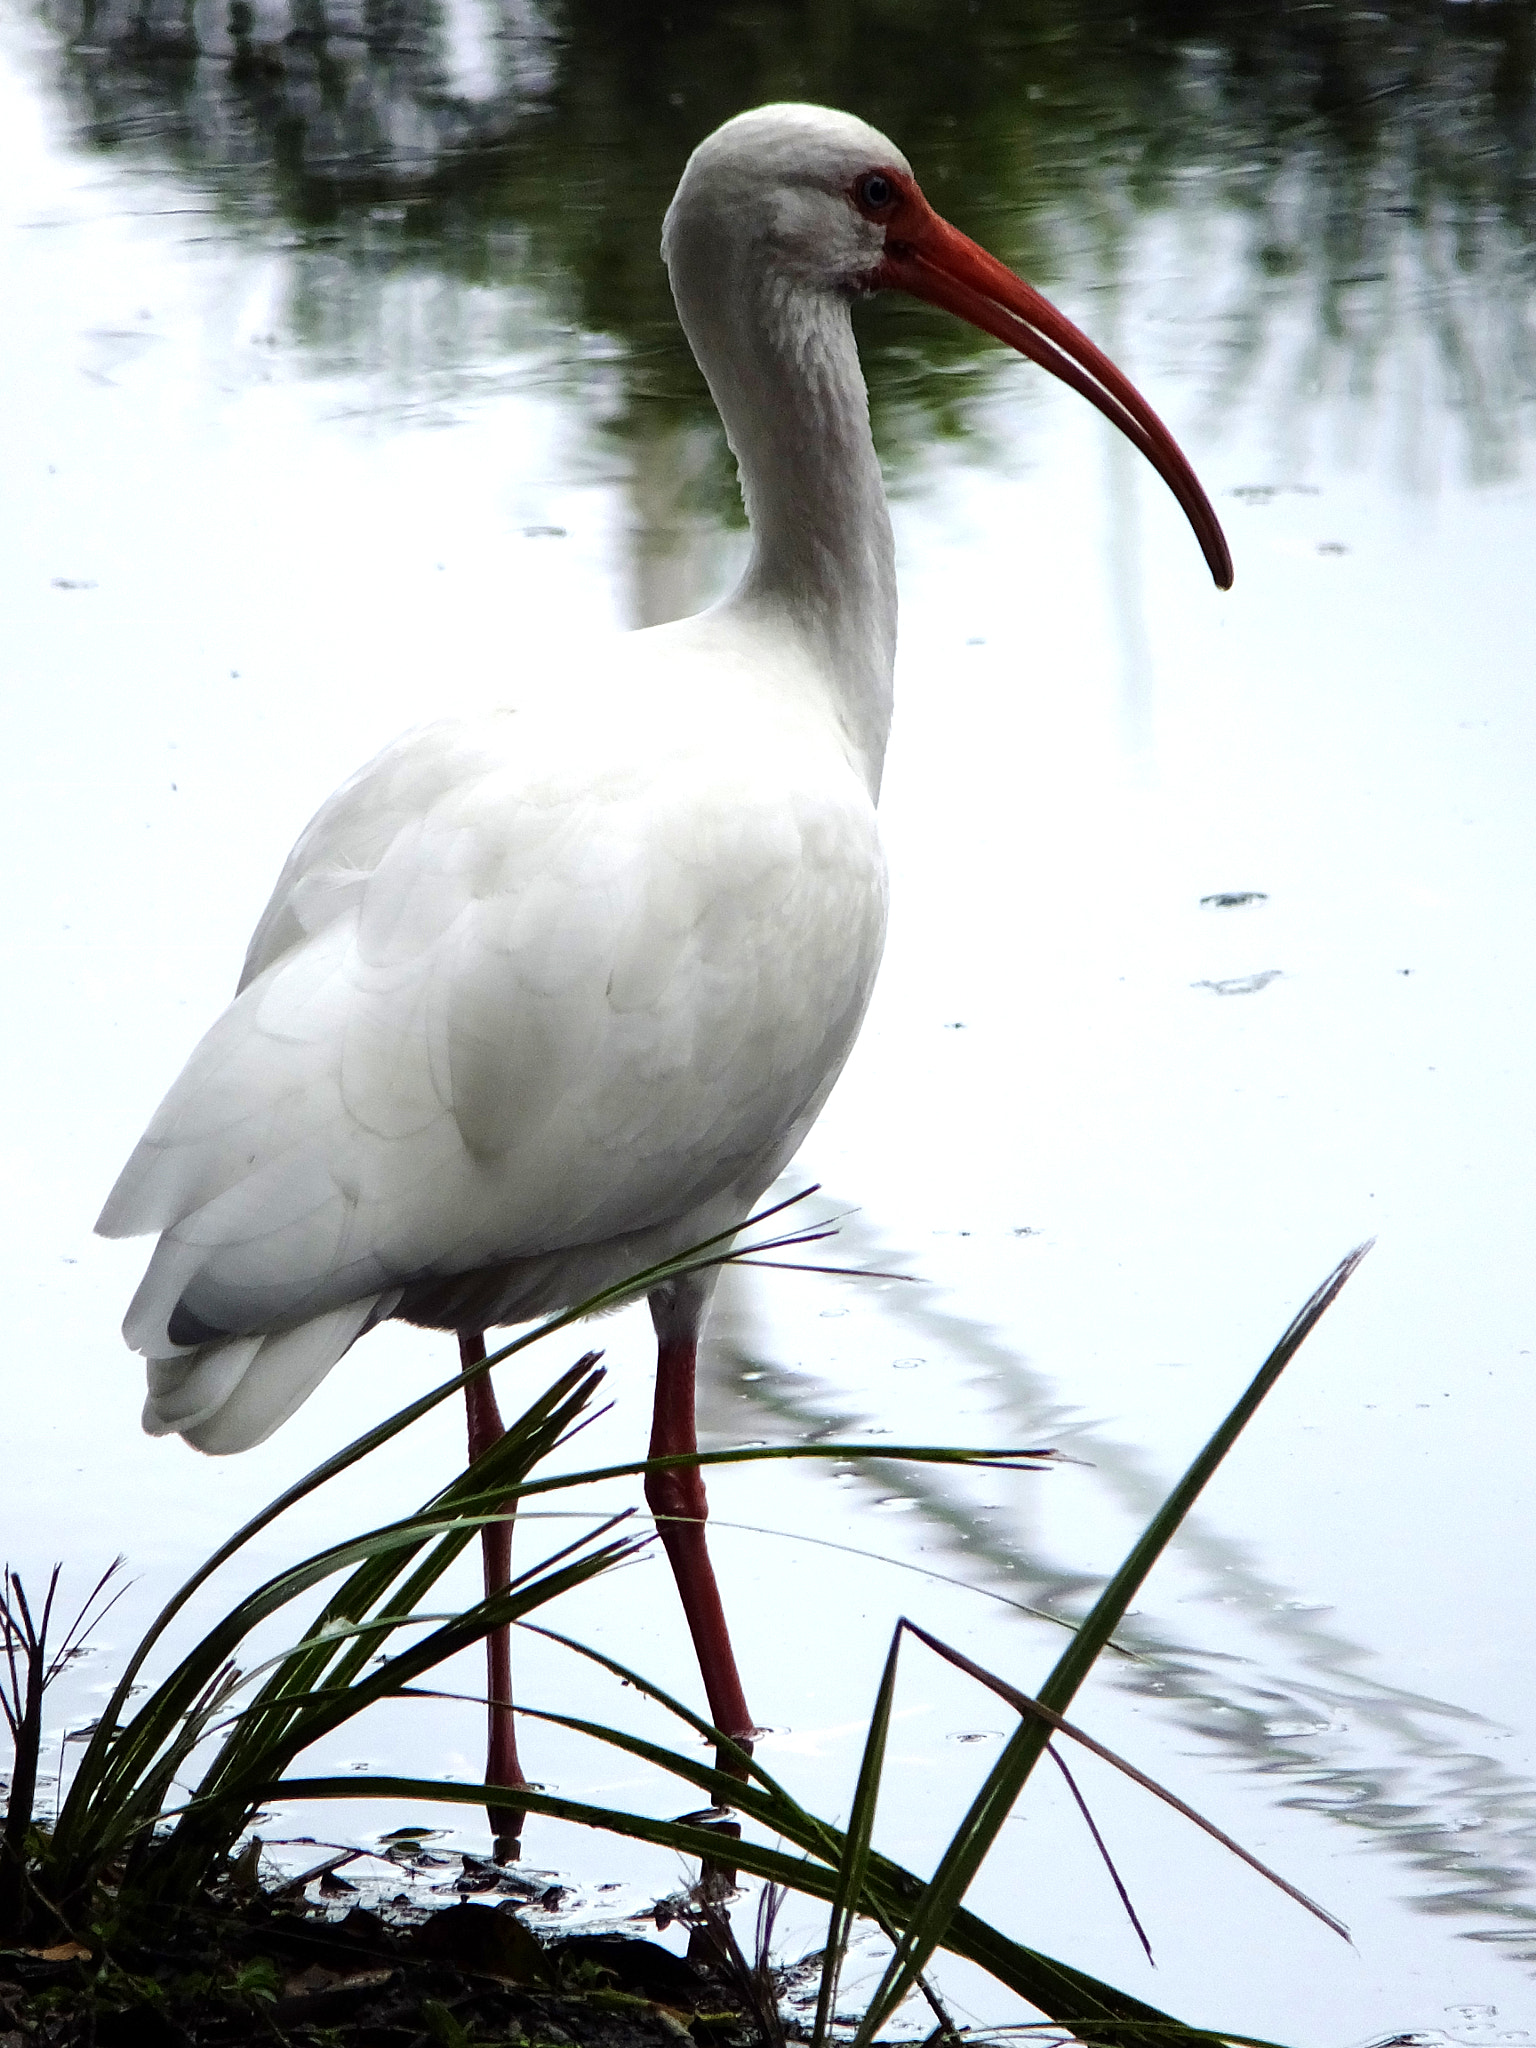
(229, 1397)
(505, 1000)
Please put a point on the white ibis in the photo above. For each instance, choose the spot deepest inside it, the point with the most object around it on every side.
(547, 996)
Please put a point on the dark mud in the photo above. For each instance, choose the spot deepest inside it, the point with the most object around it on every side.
(263, 1970)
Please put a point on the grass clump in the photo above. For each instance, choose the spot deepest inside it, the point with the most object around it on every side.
(138, 1899)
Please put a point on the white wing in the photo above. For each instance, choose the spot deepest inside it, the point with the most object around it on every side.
(525, 984)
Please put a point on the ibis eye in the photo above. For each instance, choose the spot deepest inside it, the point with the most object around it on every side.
(875, 192)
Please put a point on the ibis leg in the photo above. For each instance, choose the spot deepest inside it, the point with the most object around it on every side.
(676, 1498)
(501, 1764)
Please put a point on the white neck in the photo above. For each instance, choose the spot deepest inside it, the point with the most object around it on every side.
(784, 371)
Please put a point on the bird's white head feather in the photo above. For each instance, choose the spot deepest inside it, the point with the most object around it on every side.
(771, 192)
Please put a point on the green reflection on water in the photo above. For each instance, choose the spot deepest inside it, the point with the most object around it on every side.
(1376, 165)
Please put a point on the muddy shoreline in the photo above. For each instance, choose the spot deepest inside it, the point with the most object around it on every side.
(267, 1969)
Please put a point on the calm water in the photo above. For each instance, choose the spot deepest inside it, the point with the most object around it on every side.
(340, 377)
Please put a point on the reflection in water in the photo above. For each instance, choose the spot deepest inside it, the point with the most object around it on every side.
(1123, 547)
(1284, 1696)
(1353, 186)
(675, 542)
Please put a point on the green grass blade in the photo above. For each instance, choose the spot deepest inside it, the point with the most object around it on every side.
(128, 1752)
(980, 1458)
(170, 1866)
(1058, 1724)
(769, 1804)
(888, 1892)
(1098, 2013)
(120, 1764)
(1080, 1654)
(157, 1723)
(855, 1859)
(687, 1838)
(72, 1829)
(927, 1926)
(649, 1689)
(133, 1769)
(480, 1495)
(280, 1721)
(531, 1590)
(93, 1762)
(805, 1540)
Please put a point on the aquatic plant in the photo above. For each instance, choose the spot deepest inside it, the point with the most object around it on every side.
(30, 1667)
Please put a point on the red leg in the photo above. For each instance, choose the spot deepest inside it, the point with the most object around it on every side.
(501, 1764)
(677, 1500)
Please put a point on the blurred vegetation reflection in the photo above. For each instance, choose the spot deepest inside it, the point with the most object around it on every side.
(1350, 190)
